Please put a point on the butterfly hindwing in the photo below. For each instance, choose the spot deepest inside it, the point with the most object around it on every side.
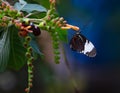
(81, 44)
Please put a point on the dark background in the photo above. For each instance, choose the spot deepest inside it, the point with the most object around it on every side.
(99, 21)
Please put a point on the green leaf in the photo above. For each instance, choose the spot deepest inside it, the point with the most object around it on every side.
(4, 50)
(34, 7)
(29, 7)
(23, 2)
(19, 5)
(17, 57)
(35, 47)
(38, 15)
(62, 35)
(45, 3)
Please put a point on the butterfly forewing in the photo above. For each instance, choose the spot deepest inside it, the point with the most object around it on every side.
(81, 44)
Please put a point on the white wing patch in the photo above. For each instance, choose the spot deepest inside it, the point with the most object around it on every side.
(89, 49)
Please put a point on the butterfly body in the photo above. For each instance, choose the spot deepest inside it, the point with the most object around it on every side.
(81, 44)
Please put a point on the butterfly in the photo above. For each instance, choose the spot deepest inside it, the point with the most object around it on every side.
(81, 44)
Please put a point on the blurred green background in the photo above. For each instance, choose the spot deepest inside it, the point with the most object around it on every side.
(99, 21)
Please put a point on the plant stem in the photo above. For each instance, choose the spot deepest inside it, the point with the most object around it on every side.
(70, 71)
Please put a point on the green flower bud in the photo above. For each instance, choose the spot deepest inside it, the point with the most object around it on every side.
(48, 28)
(25, 44)
(28, 55)
(31, 59)
(52, 16)
(30, 80)
(52, 28)
(55, 44)
(29, 63)
(53, 21)
(55, 38)
(56, 52)
(28, 39)
(30, 84)
(25, 20)
(31, 76)
(30, 71)
(42, 24)
(29, 49)
(58, 22)
(57, 62)
(57, 57)
(61, 18)
(19, 14)
(57, 18)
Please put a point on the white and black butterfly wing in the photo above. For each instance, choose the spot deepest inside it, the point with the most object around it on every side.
(80, 44)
